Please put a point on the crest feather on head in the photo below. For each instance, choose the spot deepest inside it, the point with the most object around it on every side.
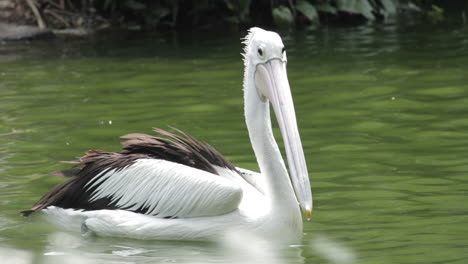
(247, 39)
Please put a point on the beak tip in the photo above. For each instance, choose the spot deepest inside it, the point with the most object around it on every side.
(308, 214)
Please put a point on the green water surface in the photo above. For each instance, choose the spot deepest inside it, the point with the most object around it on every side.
(382, 112)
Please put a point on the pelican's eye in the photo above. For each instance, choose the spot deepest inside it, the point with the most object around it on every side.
(260, 51)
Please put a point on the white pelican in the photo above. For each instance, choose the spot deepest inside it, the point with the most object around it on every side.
(175, 187)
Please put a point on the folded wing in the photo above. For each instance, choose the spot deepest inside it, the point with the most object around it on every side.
(166, 189)
(165, 177)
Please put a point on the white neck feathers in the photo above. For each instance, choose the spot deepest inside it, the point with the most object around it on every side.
(257, 116)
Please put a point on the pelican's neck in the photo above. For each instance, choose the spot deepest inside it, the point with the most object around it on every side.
(272, 167)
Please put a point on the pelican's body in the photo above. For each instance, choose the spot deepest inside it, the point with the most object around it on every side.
(253, 214)
(178, 188)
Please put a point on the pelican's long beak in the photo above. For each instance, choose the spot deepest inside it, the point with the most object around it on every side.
(271, 81)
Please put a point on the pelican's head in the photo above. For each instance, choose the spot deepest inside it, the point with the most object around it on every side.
(265, 56)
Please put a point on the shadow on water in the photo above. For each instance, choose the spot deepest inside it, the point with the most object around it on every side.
(382, 112)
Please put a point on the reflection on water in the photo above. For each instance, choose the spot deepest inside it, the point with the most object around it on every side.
(234, 248)
(382, 113)
(332, 250)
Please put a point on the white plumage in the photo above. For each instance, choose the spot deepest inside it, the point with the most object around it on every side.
(167, 189)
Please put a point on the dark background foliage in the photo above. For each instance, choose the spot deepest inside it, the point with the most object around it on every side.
(224, 14)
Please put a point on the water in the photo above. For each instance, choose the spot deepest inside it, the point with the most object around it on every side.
(382, 112)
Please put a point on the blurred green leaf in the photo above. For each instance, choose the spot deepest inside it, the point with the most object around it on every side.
(389, 7)
(135, 5)
(282, 16)
(361, 7)
(436, 14)
(326, 8)
(240, 8)
(161, 12)
(231, 4)
(238, 5)
(308, 10)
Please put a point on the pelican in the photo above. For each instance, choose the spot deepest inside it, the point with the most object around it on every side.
(175, 187)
